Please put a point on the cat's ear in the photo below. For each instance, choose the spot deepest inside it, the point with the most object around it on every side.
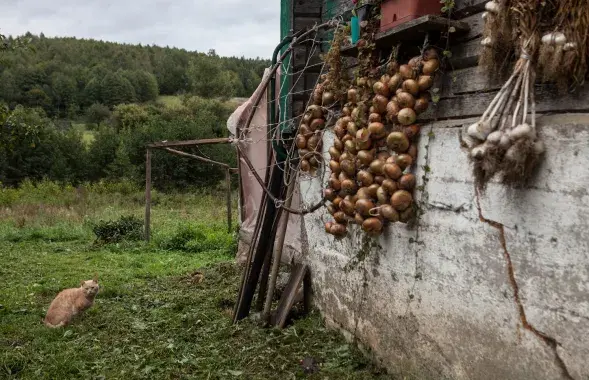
(95, 278)
(82, 283)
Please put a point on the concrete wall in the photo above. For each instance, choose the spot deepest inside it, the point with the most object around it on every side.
(448, 297)
(489, 286)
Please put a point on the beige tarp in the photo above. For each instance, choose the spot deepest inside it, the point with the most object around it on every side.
(253, 144)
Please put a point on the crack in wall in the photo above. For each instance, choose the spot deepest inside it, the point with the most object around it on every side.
(548, 340)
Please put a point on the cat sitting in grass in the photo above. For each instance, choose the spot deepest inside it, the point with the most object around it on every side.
(71, 302)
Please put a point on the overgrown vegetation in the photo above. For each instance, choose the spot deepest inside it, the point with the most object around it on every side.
(164, 308)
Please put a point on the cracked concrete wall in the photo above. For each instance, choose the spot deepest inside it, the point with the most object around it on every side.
(489, 286)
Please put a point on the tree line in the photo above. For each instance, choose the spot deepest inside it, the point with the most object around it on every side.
(66, 76)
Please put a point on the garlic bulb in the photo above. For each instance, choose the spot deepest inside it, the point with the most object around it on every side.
(494, 137)
(505, 142)
(492, 7)
(569, 46)
(556, 38)
(478, 151)
(539, 147)
(480, 130)
(485, 15)
(487, 42)
(522, 131)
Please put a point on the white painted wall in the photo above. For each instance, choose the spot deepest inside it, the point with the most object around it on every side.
(436, 300)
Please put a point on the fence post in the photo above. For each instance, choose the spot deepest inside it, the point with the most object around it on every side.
(147, 194)
(228, 179)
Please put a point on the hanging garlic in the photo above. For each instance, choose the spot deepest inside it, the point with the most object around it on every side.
(570, 46)
(485, 15)
(487, 42)
(492, 7)
(494, 137)
(522, 131)
(555, 38)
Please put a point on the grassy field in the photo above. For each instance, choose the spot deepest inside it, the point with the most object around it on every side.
(153, 318)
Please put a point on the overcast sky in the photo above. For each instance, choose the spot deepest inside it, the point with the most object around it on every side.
(231, 27)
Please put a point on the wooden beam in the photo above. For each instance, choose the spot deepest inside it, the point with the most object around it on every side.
(413, 30)
(163, 144)
(288, 296)
(147, 194)
(184, 154)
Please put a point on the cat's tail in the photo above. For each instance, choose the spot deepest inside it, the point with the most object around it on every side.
(60, 324)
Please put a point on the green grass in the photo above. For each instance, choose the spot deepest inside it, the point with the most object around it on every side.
(151, 319)
(170, 100)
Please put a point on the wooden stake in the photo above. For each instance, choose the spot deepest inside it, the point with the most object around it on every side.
(147, 194)
(228, 179)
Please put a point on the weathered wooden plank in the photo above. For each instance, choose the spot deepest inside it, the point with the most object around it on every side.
(304, 83)
(547, 100)
(301, 23)
(413, 30)
(288, 296)
(476, 24)
(308, 7)
(306, 55)
(466, 54)
(470, 80)
(162, 144)
(463, 8)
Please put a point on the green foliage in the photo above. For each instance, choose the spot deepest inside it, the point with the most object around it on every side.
(200, 238)
(58, 73)
(116, 89)
(130, 116)
(97, 113)
(114, 231)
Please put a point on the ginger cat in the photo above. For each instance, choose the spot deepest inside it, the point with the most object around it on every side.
(71, 302)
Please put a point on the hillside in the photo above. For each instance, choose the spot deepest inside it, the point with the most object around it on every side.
(65, 76)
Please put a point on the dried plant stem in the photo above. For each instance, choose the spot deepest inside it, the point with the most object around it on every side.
(526, 92)
(500, 94)
(521, 96)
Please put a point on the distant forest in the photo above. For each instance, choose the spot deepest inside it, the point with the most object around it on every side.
(65, 76)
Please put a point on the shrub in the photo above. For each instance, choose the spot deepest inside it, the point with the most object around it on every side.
(201, 238)
(125, 228)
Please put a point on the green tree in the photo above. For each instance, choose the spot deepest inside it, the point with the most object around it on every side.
(92, 92)
(97, 113)
(116, 89)
(64, 91)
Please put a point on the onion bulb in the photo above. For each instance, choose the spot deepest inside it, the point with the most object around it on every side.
(336, 202)
(347, 206)
(389, 213)
(372, 226)
(315, 111)
(329, 194)
(348, 167)
(381, 88)
(301, 142)
(328, 98)
(430, 66)
(395, 82)
(339, 131)
(365, 157)
(305, 165)
(397, 142)
(334, 153)
(430, 53)
(411, 86)
(371, 190)
(377, 167)
(415, 61)
(352, 128)
(404, 161)
(390, 186)
(314, 142)
(393, 171)
(412, 152)
(374, 117)
(328, 227)
(411, 131)
(350, 146)
(352, 95)
(338, 144)
(379, 179)
(334, 166)
(334, 183)
(407, 182)
(401, 200)
(363, 206)
(377, 130)
(382, 195)
(380, 103)
(383, 155)
(349, 186)
(358, 219)
(407, 72)
(392, 110)
(421, 105)
(338, 229)
(305, 131)
(346, 111)
(406, 116)
(405, 99)
(365, 178)
(424, 82)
